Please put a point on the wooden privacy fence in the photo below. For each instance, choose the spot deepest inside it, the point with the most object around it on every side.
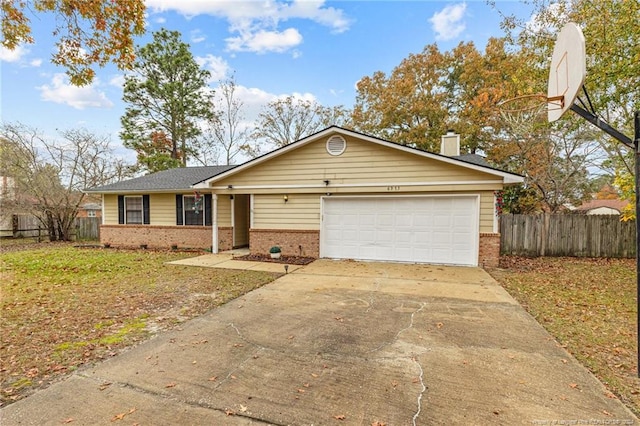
(28, 226)
(567, 235)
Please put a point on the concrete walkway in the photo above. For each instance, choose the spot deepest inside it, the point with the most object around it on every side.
(341, 343)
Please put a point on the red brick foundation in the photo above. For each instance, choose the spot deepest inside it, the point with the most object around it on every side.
(293, 242)
(489, 252)
(225, 238)
(158, 236)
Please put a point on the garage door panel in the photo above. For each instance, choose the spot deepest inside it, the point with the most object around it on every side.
(428, 229)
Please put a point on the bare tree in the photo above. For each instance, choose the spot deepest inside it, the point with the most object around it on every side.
(287, 120)
(227, 134)
(49, 177)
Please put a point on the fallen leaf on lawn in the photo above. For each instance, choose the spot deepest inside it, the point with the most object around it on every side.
(300, 390)
(243, 408)
(606, 413)
(394, 384)
(564, 361)
(496, 412)
(439, 325)
(170, 385)
(194, 362)
(573, 385)
(229, 412)
(69, 420)
(339, 319)
(213, 378)
(238, 345)
(233, 377)
(340, 417)
(314, 375)
(610, 395)
(416, 380)
(290, 337)
(306, 385)
(378, 424)
(104, 386)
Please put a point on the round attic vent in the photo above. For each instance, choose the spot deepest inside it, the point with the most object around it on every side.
(336, 145)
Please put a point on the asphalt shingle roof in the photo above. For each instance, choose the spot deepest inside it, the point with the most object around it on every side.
(167, 180)
(476, 159)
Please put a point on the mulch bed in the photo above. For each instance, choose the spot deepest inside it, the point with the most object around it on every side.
(291, 260)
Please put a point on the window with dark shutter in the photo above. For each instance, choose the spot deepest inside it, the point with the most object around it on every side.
(121, 209)
(207, 210)
(146, 216)
(179, 216)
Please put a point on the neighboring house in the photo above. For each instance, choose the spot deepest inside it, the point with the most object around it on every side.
(592, 207)
(90, 210)
(335, 194)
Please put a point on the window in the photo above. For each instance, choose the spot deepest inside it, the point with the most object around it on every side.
(133, 209)
(91, 213)
(193, 210)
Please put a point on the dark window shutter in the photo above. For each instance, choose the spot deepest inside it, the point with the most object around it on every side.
(146, 217)
(120, 209)
(179, 218)
(207, 210)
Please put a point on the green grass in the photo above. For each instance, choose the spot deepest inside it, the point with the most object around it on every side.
(589, 306)
(63, 307)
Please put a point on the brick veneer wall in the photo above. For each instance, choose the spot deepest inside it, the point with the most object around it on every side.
(489, 252)
(163, 236)
(225, 238)
(293, 242)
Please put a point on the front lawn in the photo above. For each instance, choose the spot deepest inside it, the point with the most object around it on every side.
(62, 306)
(589, 305)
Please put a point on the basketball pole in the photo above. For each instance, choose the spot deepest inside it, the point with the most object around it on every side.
(635, 145)
(636, 125)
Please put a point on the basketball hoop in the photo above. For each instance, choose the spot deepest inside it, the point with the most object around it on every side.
(522, 112)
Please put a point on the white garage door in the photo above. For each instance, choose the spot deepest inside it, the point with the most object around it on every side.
(429, 229)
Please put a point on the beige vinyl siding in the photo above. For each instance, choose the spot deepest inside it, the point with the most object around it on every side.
(302, 211)
(362, 162)
(224, 210)
(110, 216)
(162, 209)
(487, 211)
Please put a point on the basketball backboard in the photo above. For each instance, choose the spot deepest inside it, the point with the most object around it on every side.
(567, 72)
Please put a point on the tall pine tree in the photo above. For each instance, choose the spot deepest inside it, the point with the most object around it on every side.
(167, 95)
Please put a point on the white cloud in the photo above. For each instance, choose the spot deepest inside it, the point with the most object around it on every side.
(197, 36)
(61, 92)
(14, 55)
(255, 24)
(117, 81)
(217, 66)
(36, 63)
(264, 41)
(448, 23)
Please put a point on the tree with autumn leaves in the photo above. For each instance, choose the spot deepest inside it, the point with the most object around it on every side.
(89, 33)
(613, 70)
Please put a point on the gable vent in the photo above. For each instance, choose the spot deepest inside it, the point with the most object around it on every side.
(336, 145)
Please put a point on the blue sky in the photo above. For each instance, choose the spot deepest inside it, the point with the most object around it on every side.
(315, 50)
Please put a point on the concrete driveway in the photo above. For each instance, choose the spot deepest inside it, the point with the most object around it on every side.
(340, 343)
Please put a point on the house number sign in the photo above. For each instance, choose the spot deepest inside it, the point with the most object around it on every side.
(393, 188)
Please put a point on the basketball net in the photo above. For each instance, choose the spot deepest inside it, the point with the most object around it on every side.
(522, 113)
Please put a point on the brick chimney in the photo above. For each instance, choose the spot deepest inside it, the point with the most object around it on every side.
(450, 144)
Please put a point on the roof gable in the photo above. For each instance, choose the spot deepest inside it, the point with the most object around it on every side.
(470, 162)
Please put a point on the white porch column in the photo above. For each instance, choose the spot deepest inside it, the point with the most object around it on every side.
(214, 223)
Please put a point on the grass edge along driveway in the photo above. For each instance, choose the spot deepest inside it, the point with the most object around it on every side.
(589, 306)
(63, 306)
